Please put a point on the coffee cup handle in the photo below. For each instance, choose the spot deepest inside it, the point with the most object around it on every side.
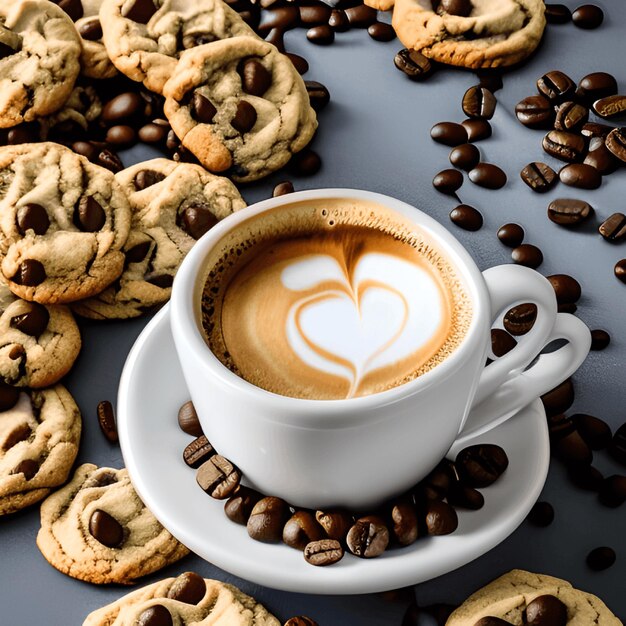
(524, 374)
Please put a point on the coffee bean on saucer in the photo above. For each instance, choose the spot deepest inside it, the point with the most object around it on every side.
(596, 432)
(571, 116)
(323, 552)
(613, 491)
(218, 477)
(368, 537)
(465, 497)
(585, 477)
(338, 21)
(571, 448)
(239, 506)
(155, 615)
(600, 339)
(404, 526)
(465, 157)
(436, 484)
(189, 588)
(322, 35)
(595, 86)
(601, 558)
(106, 419)
(335, 522)
(511, 235)
(520, 319)
(301, 529)
(616, 143)
(620, 270)
(559, 399)
(528, 255)
(267, 519)
(319, 96)
(305, 163)
(556, 86)
(501, 342)
(380, 31)
(413, 63)
(449, 133)
(539, 176)
(448, 181)
(479, 102)
(282, 189)
(557, 14)
(542, 514)
(106, 529)
(546, 610)
(440, 518)
(477, 129)
(600, 157)
(535, 112)
(564, 146)
(588, 16)
(481, 465)
(566, 288)
(198, 452)
(568, 211)
(300, 620)
(467, 217)
(614, 227)
(617, 447)
(188, 419)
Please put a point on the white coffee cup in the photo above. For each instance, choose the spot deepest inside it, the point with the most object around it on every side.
(356, 452)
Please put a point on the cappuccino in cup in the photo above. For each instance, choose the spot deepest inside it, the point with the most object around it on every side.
(331, 299)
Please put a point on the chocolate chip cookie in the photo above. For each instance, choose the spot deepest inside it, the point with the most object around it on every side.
(63, 223)
(38, 344)
(240, 107)
(187, 599)
(173, 205)
(479, 33)
(517, 598)
(97, 529)
(144, 38)
(39, 59)
(39, 435)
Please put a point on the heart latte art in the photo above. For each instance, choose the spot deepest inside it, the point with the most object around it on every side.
(343, 311)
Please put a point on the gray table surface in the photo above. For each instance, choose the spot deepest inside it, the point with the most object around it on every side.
(374, 135)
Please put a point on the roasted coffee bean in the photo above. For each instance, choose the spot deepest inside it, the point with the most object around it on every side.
(361, 16)
(571, 448)
(267, 519)
(465, 497)
(511, 235)
(318, 94)
(596, 432)
(479, 102)
(218, 477)
(188, 419)
(595, 86)
(616, 143)
(74, 8)
(557, 14)
(301, 529)
(107, 158)
(559, 399)
(338, 21)
(322, 35)
(122, 107)
(593, 129)
(202, 109)
(556, 86)
(585, 477)
(414, 64)
(535, 112)
(283, 17)
(520, 319)
(613, 491)
(305, 163)
(436, 485)
(528, 255)
(465, 157)
(146, 178)
(335, 523)
(542, 514)
(568, 211)
(492, 621)
(197, 220)
(455, 7)
(20, 433)
(300, 620)
(155, 615)
(564, 146)
(477, 129)
(276, 37)
(282, 189)
(617, 447)
(466, 217)
(300, 63)
(600, 339)
(89, 216)
(404, 522)
(610, 106)
(571, 116)
(368, 537)
(314, 13)
(566, 288)
(86, 149)
(34, 322)
(619, 270)
(488, 175)
(28, 467)
(501, 342)
(256, 79)
(91, 30)
(440, 518)
(106, 529)
(546, 610)
(140, 11)
(601, 558)
(323, 552)
(559, 425)
(614, 227)
(32, 217)
(24, 133)
(106, 419)
(29, 273)
(199, 451)
(481, 465)
(448, 181)
(121, 136)
(449, 133)
(189, 588)
(588, 16)
(239, 506)
(8, 397)
(600, 157)
(380, 31)
(245, 117)
(539, 176)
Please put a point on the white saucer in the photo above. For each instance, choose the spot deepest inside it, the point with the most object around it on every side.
(152, 389)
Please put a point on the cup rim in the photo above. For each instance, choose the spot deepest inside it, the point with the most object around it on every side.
(185, 305)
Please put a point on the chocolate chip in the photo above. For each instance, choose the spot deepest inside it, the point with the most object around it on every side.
(282, 189)
(323, 552)
(481, 465)
(121, 136)
(488, 175)
(601, 558)
(28, 467)
(368, 537)
(6, 50)
(614, 227)
(89, 216)
(492, 621)
(239, 506)
(74, 8)
(188, 420)
(568, 211)
(34, 322)
(301, 529)
(189, 588)
(588, 16)
(414, 64)
(466, 217)
(32, 217)
(147, 178)
(256, 79)
(449, 133)
(106, 419)
(305, 163)
(163, 281)
(612, 492)
(546, 610)
(527, 255)
(404, 527)
(501, 342)
(155, 615)
(91, 30)
(20, 433)
(202, 109)
(511, 235)
(122, 107)
(140, 11)
(153, 133)
(319, 96)
(30, 273)
(600, 339)
(106, 529)
(617, 448)
(267, 519)
(245, 117)
(197, 220)
(335, 522)
(138, 253)
(455, 7)
(17, 352)
(440, 518)
(8, 397)
(542, 514)
(301, 620)
(448, 181)
(199, 451)
(539, 176)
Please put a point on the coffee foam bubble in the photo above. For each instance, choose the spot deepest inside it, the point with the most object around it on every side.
(331, 299)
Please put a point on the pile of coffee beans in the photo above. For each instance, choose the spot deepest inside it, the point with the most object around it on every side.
(428, 509)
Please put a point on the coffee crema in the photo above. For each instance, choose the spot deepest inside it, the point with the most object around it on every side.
(331, 299)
